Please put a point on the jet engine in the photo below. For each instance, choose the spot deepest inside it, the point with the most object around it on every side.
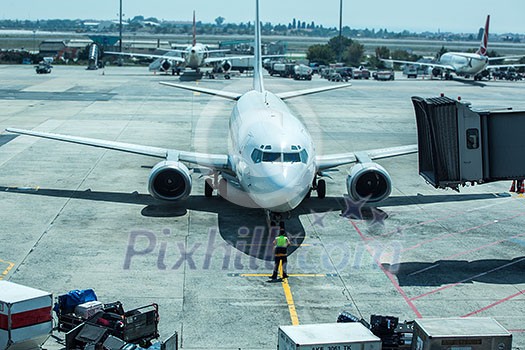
(437, 72)
(368, 182)
(222, 66)
(170, 181)
(226, 65)
(165, 65)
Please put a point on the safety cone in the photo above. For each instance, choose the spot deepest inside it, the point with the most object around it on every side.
(521, 187)
(513, 187)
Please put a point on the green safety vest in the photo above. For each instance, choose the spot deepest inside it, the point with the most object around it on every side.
(281, 241)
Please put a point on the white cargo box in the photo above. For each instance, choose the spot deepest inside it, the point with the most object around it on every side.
(25, 317)
(87, 310)
(327, 336)
(471, 333)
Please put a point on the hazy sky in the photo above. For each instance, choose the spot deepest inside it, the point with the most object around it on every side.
(414, 15)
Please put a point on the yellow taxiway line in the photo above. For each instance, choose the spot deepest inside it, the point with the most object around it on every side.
(6, 271)
(286, 288)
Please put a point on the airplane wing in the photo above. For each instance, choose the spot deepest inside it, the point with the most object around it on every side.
(496, 66)
(173, 50)
(171, 58)
(210, 60)
(444, 66)
(505, 58)
(225, 94)
(219, 50)
(291, 94)
(334, 160)
(214, 161)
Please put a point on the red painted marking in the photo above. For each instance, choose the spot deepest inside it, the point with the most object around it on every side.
(388, 273)
(521, 292)
(26, 318)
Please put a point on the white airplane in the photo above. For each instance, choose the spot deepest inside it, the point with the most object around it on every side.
(194, 57)
(272, 158)
(464, 64)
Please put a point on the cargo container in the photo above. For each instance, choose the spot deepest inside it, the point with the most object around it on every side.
(327, 336)
(472, 333)
(25, 317)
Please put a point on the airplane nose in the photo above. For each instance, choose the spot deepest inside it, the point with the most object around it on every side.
(280, 186)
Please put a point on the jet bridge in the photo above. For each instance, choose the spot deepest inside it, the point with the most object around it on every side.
(459, 145)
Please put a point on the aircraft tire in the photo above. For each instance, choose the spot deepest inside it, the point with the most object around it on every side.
(208, 188)
(321, 189)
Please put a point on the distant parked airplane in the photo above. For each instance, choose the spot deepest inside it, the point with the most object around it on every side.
(462, 63)
(194, 56)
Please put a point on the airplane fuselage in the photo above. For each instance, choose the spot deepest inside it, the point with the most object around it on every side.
(272, 153)
(195, 56)
(465, 63)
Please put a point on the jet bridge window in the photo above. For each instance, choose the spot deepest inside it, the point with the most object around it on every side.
(472, 139)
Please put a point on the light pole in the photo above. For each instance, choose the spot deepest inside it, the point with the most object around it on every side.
(340, 31)
(120, 27)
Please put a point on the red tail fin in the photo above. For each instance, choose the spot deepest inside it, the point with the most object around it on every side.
(484, 39)
(194, 30)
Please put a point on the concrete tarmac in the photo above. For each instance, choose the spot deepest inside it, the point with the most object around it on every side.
(77, 217)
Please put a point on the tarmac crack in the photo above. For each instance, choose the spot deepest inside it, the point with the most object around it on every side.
(346, 291)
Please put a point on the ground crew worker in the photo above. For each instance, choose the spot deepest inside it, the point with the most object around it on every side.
(281, 244)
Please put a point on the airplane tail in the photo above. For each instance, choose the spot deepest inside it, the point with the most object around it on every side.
(194, 30)
(484, 39)
(258, 84)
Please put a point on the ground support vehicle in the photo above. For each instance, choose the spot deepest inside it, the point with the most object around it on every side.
(285, 70)
(25, 317)
(472, 333)
(43, 68)
(337, 336)
(302, 72)
(360, 73)
(384, 75)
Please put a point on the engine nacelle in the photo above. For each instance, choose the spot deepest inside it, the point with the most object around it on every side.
(436, 71)
(368, 182)
(165, 65)
(222, 66)
(226, 66)
(170, 181)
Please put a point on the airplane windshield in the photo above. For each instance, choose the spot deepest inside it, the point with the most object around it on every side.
(286, 157)
(291, 157)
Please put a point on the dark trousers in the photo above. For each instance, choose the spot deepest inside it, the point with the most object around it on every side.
(277, 260)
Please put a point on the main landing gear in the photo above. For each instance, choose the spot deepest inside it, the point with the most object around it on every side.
(275, 221)
(319, 186)
(211, 184)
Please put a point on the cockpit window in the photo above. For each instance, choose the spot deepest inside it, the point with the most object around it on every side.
(259, 156)
(291, 157)
(304, 156)
(271, 157)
